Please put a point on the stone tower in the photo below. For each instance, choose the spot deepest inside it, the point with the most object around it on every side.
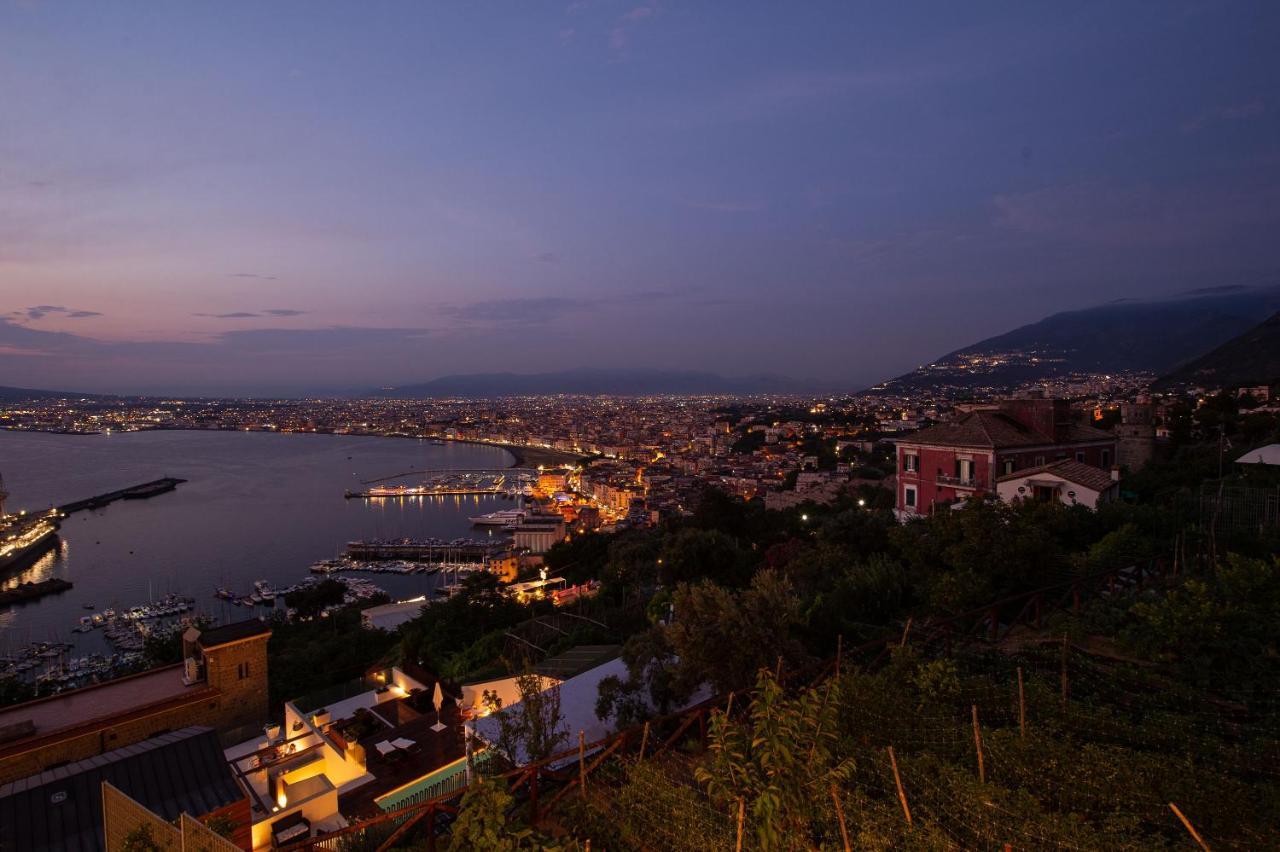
(232, 659)
(1137, 435)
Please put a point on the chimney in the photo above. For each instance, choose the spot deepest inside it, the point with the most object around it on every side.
(1115, 473)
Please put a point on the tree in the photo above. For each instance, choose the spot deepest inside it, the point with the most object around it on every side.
(580, 558)
(484, 823)
(718, 637)
(222, 825)
(310, 601)
(778, 761)
(532, 729)
(631, 566)
(449, 627)
(143, 839)
(692, 554)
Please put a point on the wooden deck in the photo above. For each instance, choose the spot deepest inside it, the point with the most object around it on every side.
(434, 749)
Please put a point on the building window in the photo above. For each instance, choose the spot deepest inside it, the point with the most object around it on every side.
(910, 463)
(242, 671)
(1080, 456)
(1009, 465)
(909, 497)
(1039, 461)
(1106, 459)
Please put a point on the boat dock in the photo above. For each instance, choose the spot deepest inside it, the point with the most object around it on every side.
(136, 492)
(522, 473)
(423, 551)
(442, 482)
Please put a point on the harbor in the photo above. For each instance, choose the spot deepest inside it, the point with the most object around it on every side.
(255, 507)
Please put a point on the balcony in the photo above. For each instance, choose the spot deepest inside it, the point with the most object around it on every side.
(959, 482)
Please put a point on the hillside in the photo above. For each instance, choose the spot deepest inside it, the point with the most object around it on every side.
(1253, 358)
(8, 394)
(636, 382)
(1126, 336)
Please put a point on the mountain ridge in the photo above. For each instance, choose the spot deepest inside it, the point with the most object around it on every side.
(12, 394)
(590, 382)
(1252, 358)
(1121, 336)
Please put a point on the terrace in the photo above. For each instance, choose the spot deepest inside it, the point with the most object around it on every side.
(90, 706)
(355, 750)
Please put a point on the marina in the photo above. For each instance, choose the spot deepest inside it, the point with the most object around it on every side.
(511, 483)
(432, 550)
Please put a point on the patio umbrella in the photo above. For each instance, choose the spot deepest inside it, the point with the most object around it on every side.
(437, 701)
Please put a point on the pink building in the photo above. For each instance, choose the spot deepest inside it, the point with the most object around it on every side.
(951, 461)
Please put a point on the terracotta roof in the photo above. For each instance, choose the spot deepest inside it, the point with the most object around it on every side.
(997, 430)
(1088, 476)
(98, 704)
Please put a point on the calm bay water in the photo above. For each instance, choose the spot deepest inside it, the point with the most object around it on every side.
(256, 506)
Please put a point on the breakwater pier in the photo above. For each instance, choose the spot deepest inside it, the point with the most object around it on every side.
(134, 492)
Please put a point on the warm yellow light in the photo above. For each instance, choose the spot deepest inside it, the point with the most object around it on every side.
(282, 800)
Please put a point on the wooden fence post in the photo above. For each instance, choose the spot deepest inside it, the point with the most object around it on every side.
(844, 831)
(1190, 828)
(644, 739)
(742, 815)
(1065, 691)
(977, 744)
(1022, 707)
(582, 762)
(533, 797)
(897, 779)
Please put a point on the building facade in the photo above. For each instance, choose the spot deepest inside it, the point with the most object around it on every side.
(225, 688)
(953, 461)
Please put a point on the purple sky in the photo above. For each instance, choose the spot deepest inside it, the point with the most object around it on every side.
(242, 197)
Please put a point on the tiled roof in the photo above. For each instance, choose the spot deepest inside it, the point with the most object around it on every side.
(996, 430)
(1087, 476)
(182, 771)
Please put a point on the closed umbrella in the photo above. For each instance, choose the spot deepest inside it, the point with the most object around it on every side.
(437, 701)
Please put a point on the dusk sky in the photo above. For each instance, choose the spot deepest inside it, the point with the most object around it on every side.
(240, 197)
